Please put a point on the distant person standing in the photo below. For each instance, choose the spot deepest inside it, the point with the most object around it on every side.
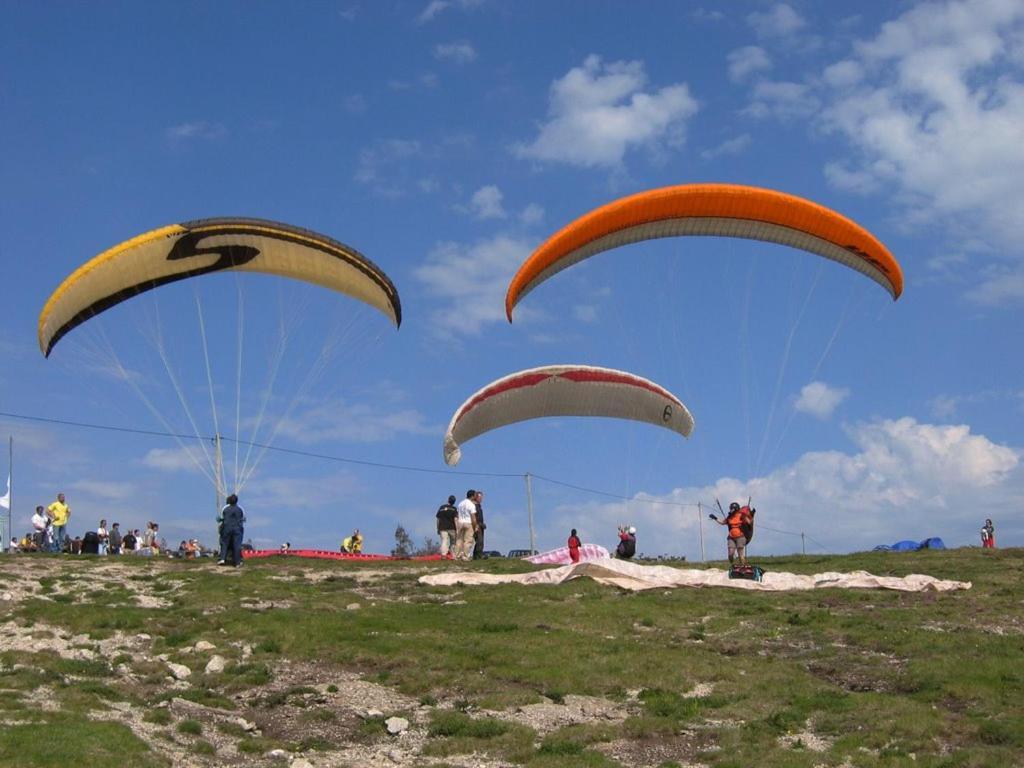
(446, 515)
(574, 546)
(103, 538)
(478, 529)
(115, 539)
(234, 525)
(465, 522)
(40, 524)
(988, 535)
(60, 512)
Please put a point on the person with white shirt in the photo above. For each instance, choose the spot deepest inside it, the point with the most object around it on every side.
(40, 523)
(465, 522)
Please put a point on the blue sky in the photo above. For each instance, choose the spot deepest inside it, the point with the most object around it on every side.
(446, 140)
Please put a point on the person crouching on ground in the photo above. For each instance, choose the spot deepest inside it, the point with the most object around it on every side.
(234, 523)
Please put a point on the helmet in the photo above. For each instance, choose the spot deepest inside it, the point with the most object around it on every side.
(632, 530)
(733, 507)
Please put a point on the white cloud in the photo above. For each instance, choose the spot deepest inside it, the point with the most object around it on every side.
(1007, 287)
(300, 494)
(426, 80)
(436, 7)
(904, 480)
(355, 104)
(460, 53)
(780, 21)
(599, 111)
(339, 420)
(820, 400)
(194, 131)
(732, 146)
(471, 280)
(486, 203)
(783, 101)
(174, 459)
(104, 490)
(532, 214)
(586, 313)
(946, 406)
(932, 106)
(384, 166)
(746, 61)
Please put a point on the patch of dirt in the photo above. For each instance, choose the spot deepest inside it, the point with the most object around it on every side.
(681, 748)
(548, 716)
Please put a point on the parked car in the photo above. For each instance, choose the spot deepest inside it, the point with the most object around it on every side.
(492, 553)
(522, 552)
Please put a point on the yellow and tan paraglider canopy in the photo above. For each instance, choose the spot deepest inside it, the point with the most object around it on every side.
(181, 251)
(723, 210)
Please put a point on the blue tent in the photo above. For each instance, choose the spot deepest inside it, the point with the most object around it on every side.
(907, 545)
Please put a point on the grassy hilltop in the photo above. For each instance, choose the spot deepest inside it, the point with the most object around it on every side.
(135, 662)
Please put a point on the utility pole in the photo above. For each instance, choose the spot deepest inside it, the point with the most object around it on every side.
(700, 524)
(529, 511)
(803, 544)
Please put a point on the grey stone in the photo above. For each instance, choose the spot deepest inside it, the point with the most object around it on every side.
(180, 671)
(215, 665)
(396, 725)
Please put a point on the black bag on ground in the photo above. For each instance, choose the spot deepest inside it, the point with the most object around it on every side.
(91, 543)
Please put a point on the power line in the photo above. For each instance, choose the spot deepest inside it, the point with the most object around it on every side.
(615, 495)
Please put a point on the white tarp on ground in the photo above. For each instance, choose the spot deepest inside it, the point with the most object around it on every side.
(633, 576)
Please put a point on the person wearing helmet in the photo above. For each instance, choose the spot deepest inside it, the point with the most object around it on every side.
(627, 542)
(736, 542)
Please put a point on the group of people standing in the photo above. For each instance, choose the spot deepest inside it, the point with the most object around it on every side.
(49, 534)
(461, 527)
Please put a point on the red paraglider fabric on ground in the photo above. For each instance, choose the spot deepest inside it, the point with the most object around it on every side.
(323, 554)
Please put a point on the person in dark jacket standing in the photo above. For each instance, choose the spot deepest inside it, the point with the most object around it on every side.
(446, 515)
(233, 526)
(478, 531)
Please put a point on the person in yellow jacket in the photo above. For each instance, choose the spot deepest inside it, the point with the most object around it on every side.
(60, 512)
(353, 544)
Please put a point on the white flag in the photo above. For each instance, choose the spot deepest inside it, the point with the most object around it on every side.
(5, 500)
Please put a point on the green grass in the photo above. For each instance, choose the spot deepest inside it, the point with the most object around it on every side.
(81, 743)
(879, 675)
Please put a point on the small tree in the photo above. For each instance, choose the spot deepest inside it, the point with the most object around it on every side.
(430, 546)
(403, 543)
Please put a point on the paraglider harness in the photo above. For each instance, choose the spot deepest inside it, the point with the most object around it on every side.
(746, 528)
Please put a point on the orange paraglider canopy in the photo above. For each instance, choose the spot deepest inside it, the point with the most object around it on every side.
(724, 210)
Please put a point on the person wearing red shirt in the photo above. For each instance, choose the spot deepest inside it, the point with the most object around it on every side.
(574, 546)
